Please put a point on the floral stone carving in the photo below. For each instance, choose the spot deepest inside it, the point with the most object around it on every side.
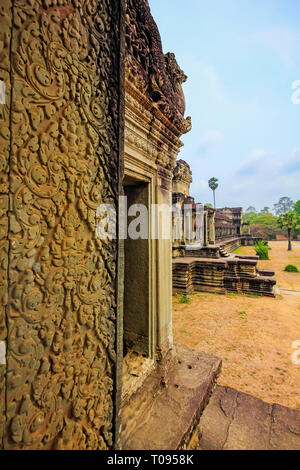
(60, 162)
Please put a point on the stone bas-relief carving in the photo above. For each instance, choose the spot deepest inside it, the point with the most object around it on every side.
(62, 164)
(156, 73)
(5, 36)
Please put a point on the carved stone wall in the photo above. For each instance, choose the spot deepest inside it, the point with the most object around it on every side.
(59, 161)
(182, 178)
(5, 37)
(158, 74)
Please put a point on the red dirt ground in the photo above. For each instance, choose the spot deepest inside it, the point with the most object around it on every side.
(253, 336)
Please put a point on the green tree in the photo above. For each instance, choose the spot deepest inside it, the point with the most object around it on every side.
(289, 221)
(284, 205)
(264, 225)
(265, 210)
(213, 184)
(297, 207)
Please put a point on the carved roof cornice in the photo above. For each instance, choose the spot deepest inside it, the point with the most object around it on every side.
(148, 131)
(144, 104)
(155, 74)
(182, 172)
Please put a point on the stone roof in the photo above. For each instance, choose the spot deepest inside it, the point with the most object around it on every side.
(220, 216)
(231, 209)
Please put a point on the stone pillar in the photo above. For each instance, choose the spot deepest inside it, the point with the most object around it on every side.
(206, 229)
(211, 228)
(164, 266)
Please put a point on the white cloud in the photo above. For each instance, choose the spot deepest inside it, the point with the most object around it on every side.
(210, 142)
(266, 176)
(283, 41)
(260, 161)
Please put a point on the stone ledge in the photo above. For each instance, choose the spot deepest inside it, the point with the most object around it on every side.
(165, 411)
(234, 420)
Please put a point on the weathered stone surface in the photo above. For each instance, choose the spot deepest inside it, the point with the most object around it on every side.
(157, 73)
(232, 274)
(60, 136)
(237, 421)
(165, 411)
(5, 148)
(285, 428)
(182, 178)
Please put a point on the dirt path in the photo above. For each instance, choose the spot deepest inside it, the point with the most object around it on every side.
(253, 336)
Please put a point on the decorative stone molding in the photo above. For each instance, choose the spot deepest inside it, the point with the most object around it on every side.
(155, 74)
(148, 129)
(182, 178)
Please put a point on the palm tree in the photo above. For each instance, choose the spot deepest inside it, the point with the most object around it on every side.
(213, 184)
(289, 221)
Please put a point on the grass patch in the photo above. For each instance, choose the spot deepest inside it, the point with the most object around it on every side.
(243, 313)
(232, 294)
(239, 250)
(290, 268)
(184, 299)
(242, 294)
(183, 330)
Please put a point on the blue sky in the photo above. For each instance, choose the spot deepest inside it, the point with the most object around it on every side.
(241, 58)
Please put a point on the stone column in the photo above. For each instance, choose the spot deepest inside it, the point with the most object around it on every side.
(164, 266)
(206, 229)
(211, 228)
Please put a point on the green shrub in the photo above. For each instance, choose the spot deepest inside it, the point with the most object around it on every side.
(184, 299)
(262, 250)
(290, 268)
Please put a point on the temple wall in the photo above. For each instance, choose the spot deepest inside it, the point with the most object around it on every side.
(59, 161)
(231, 244)
(221, 275)
(150, 152)
(5, 149)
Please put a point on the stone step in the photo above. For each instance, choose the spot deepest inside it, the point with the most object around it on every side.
(224, 253)
(237, 421)
(164, 413)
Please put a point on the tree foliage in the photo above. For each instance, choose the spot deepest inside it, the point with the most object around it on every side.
(284, 205)
(297, 207)
(262, 225)
(213, 184)
(289, 221)
(265, 224)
